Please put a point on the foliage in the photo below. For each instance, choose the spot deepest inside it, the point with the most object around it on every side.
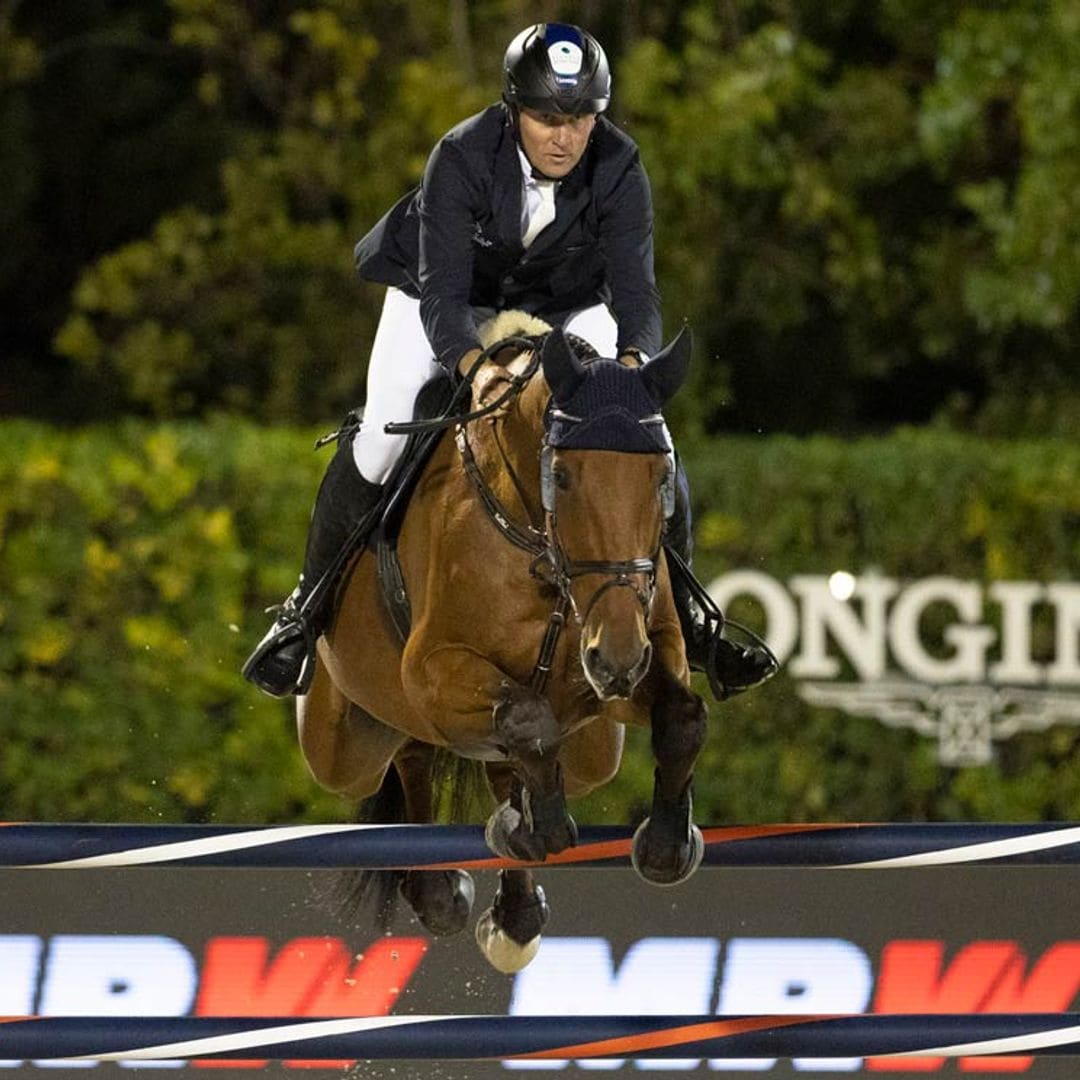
(867, 211)
(252, 307)
(136, 561)
(131, 587)
(884, 215)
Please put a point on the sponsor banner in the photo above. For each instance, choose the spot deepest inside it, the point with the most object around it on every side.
(206, 942)
(965, 663)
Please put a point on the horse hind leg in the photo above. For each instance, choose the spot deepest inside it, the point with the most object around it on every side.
(533, 821)
(441, 899)
(668, 847)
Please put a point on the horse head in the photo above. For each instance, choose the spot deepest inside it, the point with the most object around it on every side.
(607, 486)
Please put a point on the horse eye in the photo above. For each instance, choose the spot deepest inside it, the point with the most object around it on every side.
(562, 477)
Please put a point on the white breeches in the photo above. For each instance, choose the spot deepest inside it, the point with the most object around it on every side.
(402, 361)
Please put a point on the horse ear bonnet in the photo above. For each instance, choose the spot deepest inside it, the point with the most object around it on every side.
(667, 370)
(601, 404)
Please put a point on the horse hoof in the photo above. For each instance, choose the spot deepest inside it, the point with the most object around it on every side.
(504, 821)
(666, 863)
(507, 836)
(441, 899)
(500, 950)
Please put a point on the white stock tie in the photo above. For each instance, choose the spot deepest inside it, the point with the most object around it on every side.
(544, 214)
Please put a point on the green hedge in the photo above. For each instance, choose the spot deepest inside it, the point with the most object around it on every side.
(915, 504)
(136, 561)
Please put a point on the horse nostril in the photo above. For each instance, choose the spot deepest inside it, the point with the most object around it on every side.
(646, 658)
(593, 660)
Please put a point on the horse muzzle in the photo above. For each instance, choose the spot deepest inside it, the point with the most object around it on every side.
(614, 674)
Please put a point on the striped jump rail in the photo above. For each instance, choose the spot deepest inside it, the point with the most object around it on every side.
(435, 847)
(537, 1038)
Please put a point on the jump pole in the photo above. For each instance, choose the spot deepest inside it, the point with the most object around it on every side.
(435, 847)
(526, 1038)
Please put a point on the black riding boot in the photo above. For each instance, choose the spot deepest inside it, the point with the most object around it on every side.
(730, 667)
(284, 661)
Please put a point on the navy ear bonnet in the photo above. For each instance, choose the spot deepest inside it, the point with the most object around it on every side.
(610, 408)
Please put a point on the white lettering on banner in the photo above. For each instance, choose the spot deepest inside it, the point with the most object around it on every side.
(968, 642)
(1065, 598)
(781, 614)
(955, 690)
(863, 642)
(116, 975)
(793, 975)
(578, 977)
(1016, 599)
(20, 955)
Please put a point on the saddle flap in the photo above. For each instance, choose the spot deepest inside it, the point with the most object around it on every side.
(434, 398)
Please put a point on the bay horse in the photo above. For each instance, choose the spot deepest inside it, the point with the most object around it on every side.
(542, 623)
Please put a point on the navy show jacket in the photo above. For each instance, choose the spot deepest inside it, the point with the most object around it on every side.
(455, 242)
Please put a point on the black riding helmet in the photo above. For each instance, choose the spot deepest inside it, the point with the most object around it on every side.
(555, 67)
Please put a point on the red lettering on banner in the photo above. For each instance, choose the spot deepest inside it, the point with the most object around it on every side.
(307, 977)
(984, 977)
(1051, 987)
(912, 980)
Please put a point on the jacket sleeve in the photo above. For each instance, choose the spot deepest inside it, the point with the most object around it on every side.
(626, 243)
(449, 204)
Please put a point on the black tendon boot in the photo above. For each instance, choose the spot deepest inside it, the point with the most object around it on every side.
(730, 667)
(284, 661)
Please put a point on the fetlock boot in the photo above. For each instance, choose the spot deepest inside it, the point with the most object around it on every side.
(731, 668)
(345, 510)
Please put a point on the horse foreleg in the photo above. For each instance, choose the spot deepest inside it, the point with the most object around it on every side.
(508, 933)
(668, 846)
(480, 710)
(441, 899)
(533, 822)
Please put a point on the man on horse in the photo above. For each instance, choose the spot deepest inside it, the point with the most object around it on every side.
(539, 204)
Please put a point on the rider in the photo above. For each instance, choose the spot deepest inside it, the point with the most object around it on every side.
(540, 204)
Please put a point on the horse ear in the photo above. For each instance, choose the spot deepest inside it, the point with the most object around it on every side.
(665, 372)
(562, 369)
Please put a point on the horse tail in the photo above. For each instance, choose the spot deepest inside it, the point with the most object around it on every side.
(374, 893)
(461, 789)
(460, 786)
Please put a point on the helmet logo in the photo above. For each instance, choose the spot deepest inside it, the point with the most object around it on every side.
(566, 59)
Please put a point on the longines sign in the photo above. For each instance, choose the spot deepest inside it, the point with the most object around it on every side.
(860, 644)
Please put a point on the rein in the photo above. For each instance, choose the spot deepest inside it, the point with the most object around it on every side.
(448, 419)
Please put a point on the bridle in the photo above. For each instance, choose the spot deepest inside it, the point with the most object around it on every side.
(551, 562)
(561, 571)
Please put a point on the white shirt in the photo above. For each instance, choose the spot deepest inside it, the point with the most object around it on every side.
(537, 201)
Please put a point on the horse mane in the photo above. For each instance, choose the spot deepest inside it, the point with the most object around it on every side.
(511, 324)
(514, 323)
